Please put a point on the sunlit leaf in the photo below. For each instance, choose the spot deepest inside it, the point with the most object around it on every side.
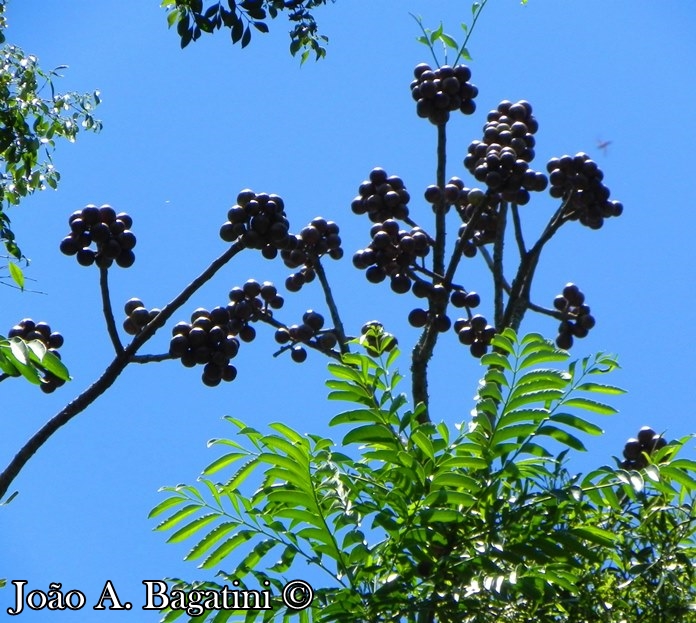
(16, 274)
(226, 548)
(192, 528)
(590, 405)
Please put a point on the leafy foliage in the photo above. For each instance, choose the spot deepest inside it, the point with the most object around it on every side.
(32, 116)
(430, 37)
(192, 19)
(29, 358)
(479, 523)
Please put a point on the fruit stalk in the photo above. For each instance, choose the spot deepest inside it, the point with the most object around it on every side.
(108, 311)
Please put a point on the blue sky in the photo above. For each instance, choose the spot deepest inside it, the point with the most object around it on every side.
(184, 131)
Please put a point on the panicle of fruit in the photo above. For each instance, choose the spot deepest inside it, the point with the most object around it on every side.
(639, 449)
(442, 90)
(109, 232)
(319, 238)
(578, 181)
(259, 221)
(577, 319)
(382, 197)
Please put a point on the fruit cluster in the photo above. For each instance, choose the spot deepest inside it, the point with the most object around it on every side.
(212, 337)
(645, 443)
(443, 90)
(110, 232)
(419, 317)
(247, 304)
(137, 316)
(476, 333)
(501, 160)
(578, 181)
(309, 332)
(391, 253)
(453, 193)
(29, 330)
(206, 341)
(259, 219)
(382, 197)
(577, 320)
(320, 237)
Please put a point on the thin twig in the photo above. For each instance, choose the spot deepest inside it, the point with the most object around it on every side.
(110, 374)
(465, 235)
(489, 262)
(333, 308)
(429, 273)
(521, 286)
(108, 311)
(419, 21)
(270, 320)
(151, 358)
(544, 310)
(462, 49)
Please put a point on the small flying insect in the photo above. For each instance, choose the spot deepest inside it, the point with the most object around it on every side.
(603, 145)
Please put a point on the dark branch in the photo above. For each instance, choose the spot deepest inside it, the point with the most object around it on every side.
(498, 246)
(110, 374)
(333, 309)
(151, 358)
(518, 230)
(423, 350)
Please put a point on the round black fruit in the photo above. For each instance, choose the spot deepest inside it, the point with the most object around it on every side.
(298, 354)
(645, 436)
(632, 450)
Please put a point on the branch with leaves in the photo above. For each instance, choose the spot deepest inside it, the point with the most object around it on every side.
(483, 523)
(192, 19)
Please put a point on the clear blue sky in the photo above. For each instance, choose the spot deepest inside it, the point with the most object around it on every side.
(184, 131)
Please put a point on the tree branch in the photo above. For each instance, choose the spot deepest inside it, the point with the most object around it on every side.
(110, 374)
(333, 309)
(521, 285)
(498, 246)
(423, 350)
